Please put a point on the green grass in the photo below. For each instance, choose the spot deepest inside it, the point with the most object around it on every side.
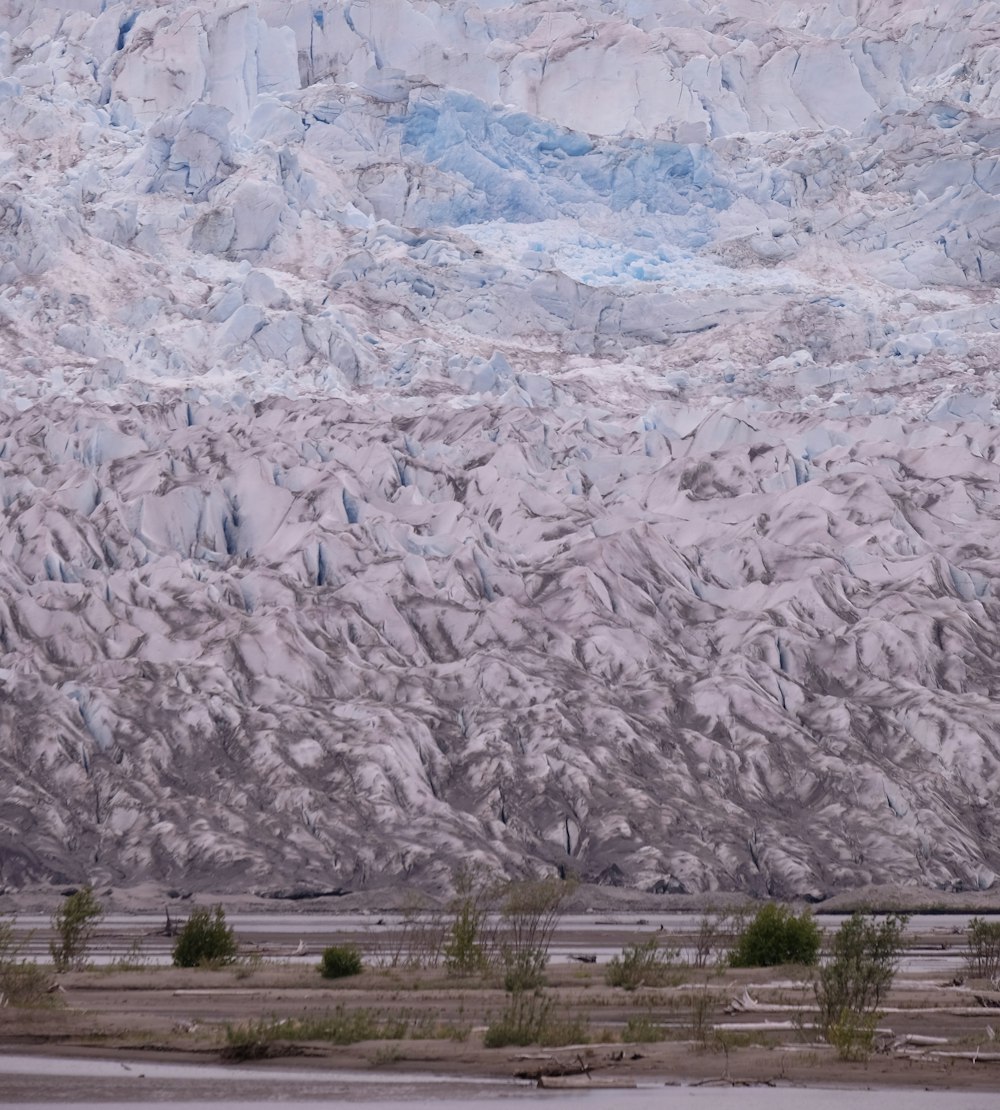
(339, 1026)
(642, 965)
(643, 1030)
(529, 1018)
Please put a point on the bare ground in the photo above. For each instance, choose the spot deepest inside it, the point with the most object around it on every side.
(713, 1022)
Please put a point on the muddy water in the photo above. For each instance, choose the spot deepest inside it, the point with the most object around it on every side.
(86, 1084)
(739, 1098)
(71, 1082)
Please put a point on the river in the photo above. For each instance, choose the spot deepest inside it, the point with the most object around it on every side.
(90, 1084)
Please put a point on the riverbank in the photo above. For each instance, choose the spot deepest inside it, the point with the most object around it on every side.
(96, 1084)
(718, 1026)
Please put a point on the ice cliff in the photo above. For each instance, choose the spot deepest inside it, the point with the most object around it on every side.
(558, 435)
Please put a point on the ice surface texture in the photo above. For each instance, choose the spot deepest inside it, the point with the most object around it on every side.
(557, 435)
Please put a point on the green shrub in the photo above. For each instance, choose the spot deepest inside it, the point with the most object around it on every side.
(643, 1030)
(640, 965)
(261, 1038)
(557, 1032)
(864, 955)
(206, 940)
(531, 911)
(74, 924)
(853, 1035)
(521, 1023)
(529, 1019)
(340, 961)
(463, 951)
(702, 1005)
(337, 1026)
(777, 936)
(22, 982)
(470, 946)
(982, 954)
(241, 1045)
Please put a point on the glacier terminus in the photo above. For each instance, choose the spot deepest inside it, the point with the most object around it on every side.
(557, 436)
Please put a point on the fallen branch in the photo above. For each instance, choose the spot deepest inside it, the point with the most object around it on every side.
(749, 1004)
(554, 1068)
(584, 1082)
(919, 1039)
(975, 1056)
(760, 1026)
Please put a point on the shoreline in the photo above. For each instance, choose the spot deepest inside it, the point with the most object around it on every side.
(449, 1077)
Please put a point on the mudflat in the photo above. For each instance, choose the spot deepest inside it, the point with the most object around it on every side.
(707, 1025)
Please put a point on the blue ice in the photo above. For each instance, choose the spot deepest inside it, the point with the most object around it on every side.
(519, 168)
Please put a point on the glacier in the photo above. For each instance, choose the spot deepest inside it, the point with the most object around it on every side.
(562, 437)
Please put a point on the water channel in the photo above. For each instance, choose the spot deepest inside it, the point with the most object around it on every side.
(936, 940)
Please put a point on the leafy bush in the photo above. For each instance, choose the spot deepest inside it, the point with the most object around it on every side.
(521, 1023)
(777, 936)
(22, 982)
(640, 965)
(463, 952)
(864, 955)
(982, 954)
(470, 947)
(206, 940)
(531, 911)
(338, 962)
(529, 1019)
(74, 924)
(853, 1035)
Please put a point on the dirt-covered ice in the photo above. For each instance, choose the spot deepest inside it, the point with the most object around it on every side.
(548, 435)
